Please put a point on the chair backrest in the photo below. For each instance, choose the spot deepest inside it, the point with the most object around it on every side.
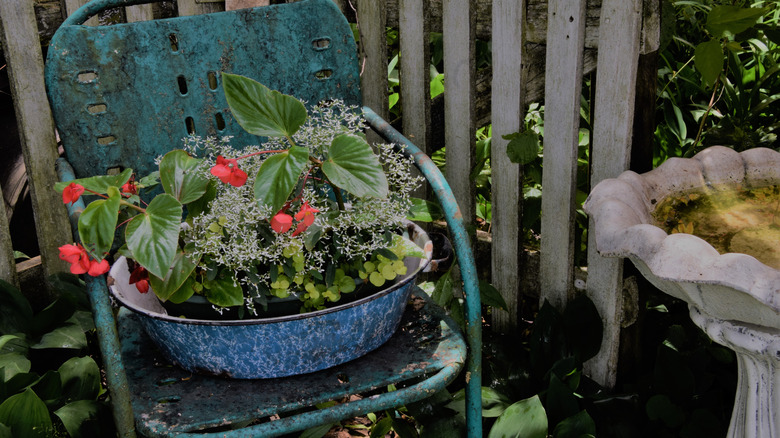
(124, 94)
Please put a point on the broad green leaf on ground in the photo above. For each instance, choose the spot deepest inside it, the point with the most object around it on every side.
(260, 110)
(179, 177)
(69, 336)
(98, 222)
(153, 236)
(353, 166)
(708, 59)
(730, 19)
(577, 426)
(100, 183)
(82, 418)
(80, 379)
(524, 419)
(26, 415)
(180, 271)
(12, 364)
(493, 402)
(278, 176)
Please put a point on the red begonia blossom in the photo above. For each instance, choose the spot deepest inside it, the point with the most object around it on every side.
(71, 193)
(228, 172)
(80, 262)
(281, 222)
(305, 216)
(140, 277)
(130, 188)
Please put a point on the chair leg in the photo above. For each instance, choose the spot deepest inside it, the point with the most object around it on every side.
(112, 360)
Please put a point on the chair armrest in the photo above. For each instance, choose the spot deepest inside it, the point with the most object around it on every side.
(465, 256)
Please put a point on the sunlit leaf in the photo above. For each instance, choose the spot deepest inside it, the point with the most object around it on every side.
(728, 19)
(708, 59)
(100, 183)
(179, 177)
(524, 419)
(97, 224)
(353, 166)
(260, 110)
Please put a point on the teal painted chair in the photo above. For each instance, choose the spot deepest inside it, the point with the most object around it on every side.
(127, 93)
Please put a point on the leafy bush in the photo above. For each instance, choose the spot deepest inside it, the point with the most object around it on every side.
(48, 385)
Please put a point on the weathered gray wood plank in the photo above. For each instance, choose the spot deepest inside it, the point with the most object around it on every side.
(7, 265)
(613, 123)
(565, 42)
(36, 127)
(459, 77)
(373, 49)
(139, 13)
(232, 5)
(415, 74)
(72, 5)
(192, 7)
(507, 117)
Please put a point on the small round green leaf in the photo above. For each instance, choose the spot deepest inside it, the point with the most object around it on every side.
(224, 292)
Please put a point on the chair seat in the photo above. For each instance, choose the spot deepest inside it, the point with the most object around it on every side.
(168, 399)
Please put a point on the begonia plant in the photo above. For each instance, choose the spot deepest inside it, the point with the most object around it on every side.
(313, 211)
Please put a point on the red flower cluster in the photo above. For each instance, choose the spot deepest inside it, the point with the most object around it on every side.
(130, 188)
(80, 262)
(71, 193)
(228, 172)
(282, 222)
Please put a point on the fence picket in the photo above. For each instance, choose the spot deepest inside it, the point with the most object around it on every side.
(563, 84)
(612, 127)
(7, 265)
(459, 75)
(507, 117)
(139, 13)
(22, 50)
(371, 19)
(415, 73)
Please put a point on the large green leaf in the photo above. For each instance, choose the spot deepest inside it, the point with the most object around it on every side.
(153, 237)
(80, 379)
(278, 176)
(522, 148)
(26, 415)
(12, 364)
(179, 176)
(84, 418)
(524, 419)
(353, 166)
(708, 59)
(180, 271)
(98, 222)
(100, 183)
(577, 426)
(730, 19)
(224, 292)
(260, 110)
(67, 336)
(493, 402)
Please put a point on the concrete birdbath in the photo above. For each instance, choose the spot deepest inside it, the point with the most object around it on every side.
(733, 297)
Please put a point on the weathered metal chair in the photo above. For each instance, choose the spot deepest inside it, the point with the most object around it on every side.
(125, 94)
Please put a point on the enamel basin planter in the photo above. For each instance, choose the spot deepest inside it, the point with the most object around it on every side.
(733, 297)
(280, 346)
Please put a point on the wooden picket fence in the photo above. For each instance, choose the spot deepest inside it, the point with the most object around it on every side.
(540, 51)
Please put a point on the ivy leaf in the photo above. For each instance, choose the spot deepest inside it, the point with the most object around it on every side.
(728, 19)
(260, 110)
(708, 59)
(98, 222)
(153, 236)
(278, 176)
(353, 166)
(100, 183)
(523, 148)
(179, 177)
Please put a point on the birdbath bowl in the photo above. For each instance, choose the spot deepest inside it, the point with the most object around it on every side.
(733, 297)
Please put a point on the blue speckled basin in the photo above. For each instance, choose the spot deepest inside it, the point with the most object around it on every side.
(274, 347)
